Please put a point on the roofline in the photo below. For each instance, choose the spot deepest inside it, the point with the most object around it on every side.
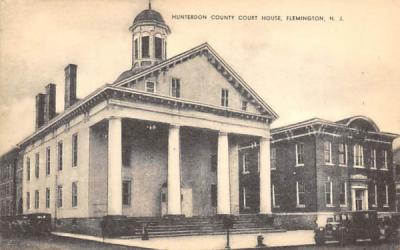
(314, 121)
(106, 87)
(214, 53)
(351, 119)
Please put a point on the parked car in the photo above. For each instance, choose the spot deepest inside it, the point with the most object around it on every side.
(347, 227)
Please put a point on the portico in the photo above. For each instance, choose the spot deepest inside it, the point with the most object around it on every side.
(184, 160)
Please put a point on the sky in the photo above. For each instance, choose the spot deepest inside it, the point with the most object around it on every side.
(302, 69)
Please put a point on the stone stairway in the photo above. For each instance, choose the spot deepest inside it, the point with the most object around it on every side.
(181, 226)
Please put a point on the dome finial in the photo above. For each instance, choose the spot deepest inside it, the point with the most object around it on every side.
(149, 4)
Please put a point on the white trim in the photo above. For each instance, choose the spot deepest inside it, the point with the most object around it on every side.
(244, 198)
(375, 196)
(345, 194)
(298, 205)
(385, 160)
(245, 169)
(386, 204)
(361, 151)
(374, 159)
(273, 197)
(297, 155)
(373, 140)
(330, 204)
(330, 162)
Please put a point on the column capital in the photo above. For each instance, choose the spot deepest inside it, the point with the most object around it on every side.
(114, 118)
(266, 138)
(174, 125)
(222, 133)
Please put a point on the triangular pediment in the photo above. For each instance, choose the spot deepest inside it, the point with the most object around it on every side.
(210, 65)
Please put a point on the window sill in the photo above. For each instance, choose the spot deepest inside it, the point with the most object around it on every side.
(329, 164)
(343, 205)
(300, 206)
(385, 206)
(246, 172)
(299, 165)
(343, 166)
(276, 206)
(384, 169)
(373, 205)
(373, 168)
(358, 167)
(329, 205)
(271, 169)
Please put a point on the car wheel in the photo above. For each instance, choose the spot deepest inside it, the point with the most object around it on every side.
(319, 240)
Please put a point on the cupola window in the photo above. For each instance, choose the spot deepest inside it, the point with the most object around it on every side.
(158, 47)
(145, 47)
(136, 49)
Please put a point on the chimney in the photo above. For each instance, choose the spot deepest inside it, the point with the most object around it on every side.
(39, 110)
(70, 85)
(50, 102)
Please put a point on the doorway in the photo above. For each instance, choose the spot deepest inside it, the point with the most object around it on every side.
(359, 200)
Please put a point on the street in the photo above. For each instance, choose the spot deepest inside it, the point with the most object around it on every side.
(52, 242)
(366, 245)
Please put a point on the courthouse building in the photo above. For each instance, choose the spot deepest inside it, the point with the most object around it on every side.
(163, 139)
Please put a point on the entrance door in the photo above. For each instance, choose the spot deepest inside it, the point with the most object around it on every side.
(249, 181)
(187, 206)
(359, 200)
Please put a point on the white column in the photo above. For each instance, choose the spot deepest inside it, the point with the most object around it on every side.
(366, 198)
(353, 199)
(223, 190)
(174, 172)
(114, 166)
(265, 176)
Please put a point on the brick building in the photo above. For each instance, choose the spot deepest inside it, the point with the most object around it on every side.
(396, 174)
(319, 167)
(10, 183)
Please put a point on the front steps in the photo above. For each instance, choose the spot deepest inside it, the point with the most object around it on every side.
(213, 225)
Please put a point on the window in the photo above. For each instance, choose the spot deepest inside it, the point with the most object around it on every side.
(136, 49)
(47, 160)
(386, 196)
(176, 87)
(373, 159)
(385, 160)
(244, 105)
(328, 193)
(373, 194)
(275, 197)
(145, 47)
(245, 167)
(60, 155)
(213, 195)
(328, 152)
(126, 193)
(59, 196)
(358, 155)
(343, 194)
(398, 189)
(28, 168)
(150, 87)
(126, 154)
(273, 158)
(74, 150)
(37, 165)
(300, 154)
(158, 47)
(74, 193)
(214, 162)
(224, 97)
(36, 199)
(28, 200)
(300, 194)
(47, 197)
(343, 154)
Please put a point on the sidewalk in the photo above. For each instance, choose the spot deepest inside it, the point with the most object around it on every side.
(209, 242)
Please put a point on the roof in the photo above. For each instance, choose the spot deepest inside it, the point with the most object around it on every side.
(151, 17)
(344, 123)
(367, 122)
(204, 49)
